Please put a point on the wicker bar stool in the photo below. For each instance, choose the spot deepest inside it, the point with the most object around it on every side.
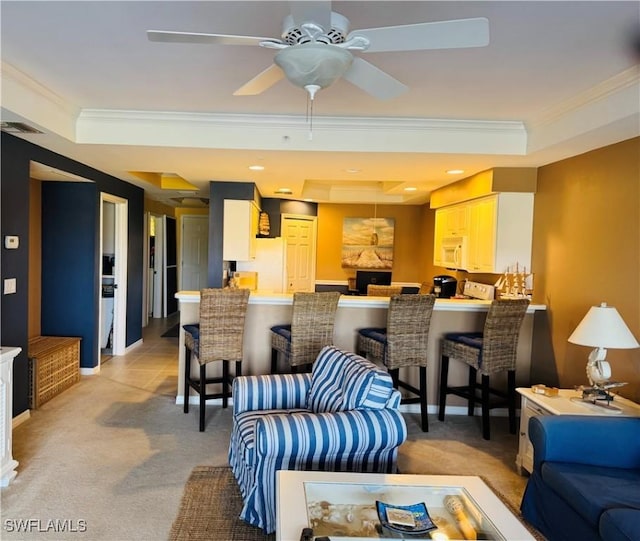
(488, 352)
(311, 329)
(218, 337)
(403, 343)
(383, 291)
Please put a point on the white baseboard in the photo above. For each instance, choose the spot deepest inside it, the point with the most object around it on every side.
(133, 346)
(21, 418)
(89, 371)
(455, 410)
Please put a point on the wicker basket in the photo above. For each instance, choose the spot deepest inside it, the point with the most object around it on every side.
(54, 365)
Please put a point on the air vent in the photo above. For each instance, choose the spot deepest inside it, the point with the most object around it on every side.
(17, 127)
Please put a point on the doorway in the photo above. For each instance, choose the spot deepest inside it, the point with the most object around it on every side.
(162, 269)
(194, 252)
(113, 275)
(299, 232)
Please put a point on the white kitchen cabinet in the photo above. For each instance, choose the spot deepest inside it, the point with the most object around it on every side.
(500, 232)
(240, 227)
(451, 221)
(454, 220)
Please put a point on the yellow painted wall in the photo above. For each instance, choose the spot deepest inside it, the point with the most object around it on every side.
(156, 207)
(35, 257)
(586, 250)
(408, 265)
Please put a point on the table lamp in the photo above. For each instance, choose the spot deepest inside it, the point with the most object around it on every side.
(600, 329)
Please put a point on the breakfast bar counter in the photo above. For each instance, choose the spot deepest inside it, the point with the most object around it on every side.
(355, 312)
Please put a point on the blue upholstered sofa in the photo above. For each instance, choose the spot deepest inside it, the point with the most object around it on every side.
(342, 417)
(585, 482)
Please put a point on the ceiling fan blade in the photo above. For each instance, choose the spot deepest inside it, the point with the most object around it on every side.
(437, 35)
(169, 36)
(262, 81)
(373, 81)
(312, 11)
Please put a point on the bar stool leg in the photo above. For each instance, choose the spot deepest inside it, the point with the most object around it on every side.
(203, 393)
(225, 383)
(471, 403)
(395, 377)
(486, 429)
(423, 399)
(444, 374)
(511, 397)
(187, 376)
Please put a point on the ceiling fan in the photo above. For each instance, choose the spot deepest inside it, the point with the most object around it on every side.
(315, 48)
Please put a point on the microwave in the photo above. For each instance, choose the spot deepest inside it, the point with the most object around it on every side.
(454, 252)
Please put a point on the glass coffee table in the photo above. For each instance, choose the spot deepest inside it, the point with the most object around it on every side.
(363, 506)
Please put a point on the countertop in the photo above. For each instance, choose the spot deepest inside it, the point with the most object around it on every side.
(355, 301)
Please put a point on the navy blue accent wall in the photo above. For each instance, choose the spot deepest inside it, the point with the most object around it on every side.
(70, 240)
(14, 213)
(70, 258)
(218, 192)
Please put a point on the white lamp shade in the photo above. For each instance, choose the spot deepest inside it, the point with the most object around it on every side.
(314, 64)
(603, 327)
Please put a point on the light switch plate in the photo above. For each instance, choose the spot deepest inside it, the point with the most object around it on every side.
(9, 286)
(11, 242)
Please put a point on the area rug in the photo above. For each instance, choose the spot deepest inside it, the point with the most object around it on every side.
(210, 507)
(212, 502)
(172, 332)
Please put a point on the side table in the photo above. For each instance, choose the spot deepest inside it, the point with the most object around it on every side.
(539, 404)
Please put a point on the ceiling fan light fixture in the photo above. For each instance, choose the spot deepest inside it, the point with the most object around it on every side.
(313, 64)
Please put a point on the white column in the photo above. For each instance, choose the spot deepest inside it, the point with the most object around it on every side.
(7, 464)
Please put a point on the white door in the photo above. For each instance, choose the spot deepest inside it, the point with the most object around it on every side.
(118, 279)
(299, 233)
(195, 246)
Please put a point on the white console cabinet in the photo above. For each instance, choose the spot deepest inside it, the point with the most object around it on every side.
(538, 404)
(7, 464)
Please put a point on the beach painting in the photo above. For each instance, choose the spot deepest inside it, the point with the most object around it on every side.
(367, 243)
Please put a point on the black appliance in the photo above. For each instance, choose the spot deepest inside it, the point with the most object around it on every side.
(364, 278)
(444, 286)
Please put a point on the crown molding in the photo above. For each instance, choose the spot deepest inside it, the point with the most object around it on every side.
(24, 96)
(586, 120)
(280, 132)
(297, 121)
(623, 81)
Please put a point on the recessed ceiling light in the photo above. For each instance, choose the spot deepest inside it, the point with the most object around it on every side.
(353, 170)
(410, 189)
(286, 191)
(455, 171)
(256, 167)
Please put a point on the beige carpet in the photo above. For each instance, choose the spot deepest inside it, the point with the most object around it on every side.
(116, 451)
(212, 502)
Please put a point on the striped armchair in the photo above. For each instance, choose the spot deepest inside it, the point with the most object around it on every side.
(342, 417)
